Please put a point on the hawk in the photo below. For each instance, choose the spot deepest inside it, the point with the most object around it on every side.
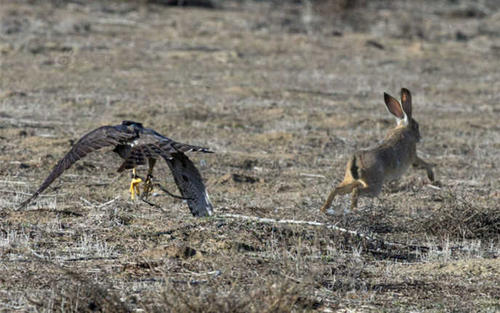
(137, 145)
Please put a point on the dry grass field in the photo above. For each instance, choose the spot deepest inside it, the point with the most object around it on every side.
(283, 92)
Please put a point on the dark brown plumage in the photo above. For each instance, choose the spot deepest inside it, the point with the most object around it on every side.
(139, 146)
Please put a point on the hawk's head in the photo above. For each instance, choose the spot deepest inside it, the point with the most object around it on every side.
(132, 123)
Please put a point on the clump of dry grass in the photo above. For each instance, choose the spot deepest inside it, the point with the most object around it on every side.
(71, 292)
(277, 297)
(461, 218)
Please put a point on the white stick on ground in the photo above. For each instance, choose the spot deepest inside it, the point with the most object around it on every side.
(377, 241)
(296, 222)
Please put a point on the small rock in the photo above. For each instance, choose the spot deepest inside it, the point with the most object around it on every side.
(461, 36)
(238, 178)
(249, 164)
(375, 44)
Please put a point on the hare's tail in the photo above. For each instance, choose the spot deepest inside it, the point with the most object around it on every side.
(354, 167)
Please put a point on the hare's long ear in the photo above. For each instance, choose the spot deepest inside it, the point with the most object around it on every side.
(395, 108)
(406, 101)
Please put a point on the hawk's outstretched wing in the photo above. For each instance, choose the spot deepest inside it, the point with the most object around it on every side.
(190, 184)
(99, 138)
(145, 149)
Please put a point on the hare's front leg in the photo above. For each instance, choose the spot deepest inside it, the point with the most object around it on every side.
(421, 164)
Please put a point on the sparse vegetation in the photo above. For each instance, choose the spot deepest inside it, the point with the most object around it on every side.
(283, 92)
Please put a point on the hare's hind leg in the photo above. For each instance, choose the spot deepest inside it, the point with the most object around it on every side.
(421, 164)
(343, 188)
(355, 193)
(354, 198)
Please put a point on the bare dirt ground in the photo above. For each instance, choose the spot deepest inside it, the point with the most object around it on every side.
(283, 93)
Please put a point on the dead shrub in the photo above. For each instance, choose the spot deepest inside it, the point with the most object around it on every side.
(462, 218)
(272, 297)
(70, 292)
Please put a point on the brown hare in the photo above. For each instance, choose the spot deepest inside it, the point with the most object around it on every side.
(367, 170)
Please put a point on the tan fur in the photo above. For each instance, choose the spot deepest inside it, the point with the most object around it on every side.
(367, 170)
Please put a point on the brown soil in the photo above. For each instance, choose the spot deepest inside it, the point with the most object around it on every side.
(283, 93)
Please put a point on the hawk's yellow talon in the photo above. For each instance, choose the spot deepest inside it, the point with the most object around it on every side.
(134, 187)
